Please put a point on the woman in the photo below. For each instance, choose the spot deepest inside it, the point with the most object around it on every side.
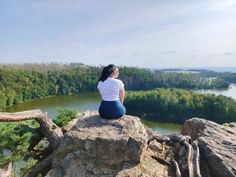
(112, 92)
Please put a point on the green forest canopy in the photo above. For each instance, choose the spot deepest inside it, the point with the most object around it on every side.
(19, 83)
(177, 105)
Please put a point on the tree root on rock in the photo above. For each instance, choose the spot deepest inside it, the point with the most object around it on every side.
(187, 163)
(41, 167)
(161, 160)
(47, 128)
(192, 158)
(196, 159)
(177, 170)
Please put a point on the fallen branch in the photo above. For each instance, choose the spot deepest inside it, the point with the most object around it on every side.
(50, 130)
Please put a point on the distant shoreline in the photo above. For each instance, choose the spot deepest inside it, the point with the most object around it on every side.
(216, 69)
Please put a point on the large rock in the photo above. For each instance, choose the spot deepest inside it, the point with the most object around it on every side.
(97, 147)
(217, 145)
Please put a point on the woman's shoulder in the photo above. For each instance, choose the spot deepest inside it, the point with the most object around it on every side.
(120, 83)
(118, 80)
(99, 84)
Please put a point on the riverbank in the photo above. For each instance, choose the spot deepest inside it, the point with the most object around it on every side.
(230, 92)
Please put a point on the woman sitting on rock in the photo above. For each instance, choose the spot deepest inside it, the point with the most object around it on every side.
(112, 92)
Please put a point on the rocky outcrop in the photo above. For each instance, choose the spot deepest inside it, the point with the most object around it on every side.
(94, 146)
(90, 146)
(217, 144)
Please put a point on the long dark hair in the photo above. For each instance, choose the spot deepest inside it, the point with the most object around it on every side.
(106, 72)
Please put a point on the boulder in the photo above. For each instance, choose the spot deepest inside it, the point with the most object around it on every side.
(98, 147)
(217, 144)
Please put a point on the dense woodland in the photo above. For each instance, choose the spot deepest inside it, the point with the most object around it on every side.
(19, 83)
(177, 105)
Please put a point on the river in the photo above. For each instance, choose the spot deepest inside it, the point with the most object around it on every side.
(230, 92)
(90, 101)
(82, 102)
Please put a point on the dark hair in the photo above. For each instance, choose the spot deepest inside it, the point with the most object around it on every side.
(106, 72)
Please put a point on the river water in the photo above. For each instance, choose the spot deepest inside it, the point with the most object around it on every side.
(230, 92)
(91, 100)
(82, 102)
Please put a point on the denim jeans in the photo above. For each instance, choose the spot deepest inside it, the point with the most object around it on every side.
(111, 109)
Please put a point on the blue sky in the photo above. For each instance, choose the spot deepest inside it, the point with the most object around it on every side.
(145, 33)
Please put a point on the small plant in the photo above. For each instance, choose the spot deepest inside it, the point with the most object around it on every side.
(226, 125)
(29, 164)
(64, 116)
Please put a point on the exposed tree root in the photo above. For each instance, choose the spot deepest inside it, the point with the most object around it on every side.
(41, 167)
(196, 160)
(50, 130)
(160, 139)
(161, 160)
(177, 170)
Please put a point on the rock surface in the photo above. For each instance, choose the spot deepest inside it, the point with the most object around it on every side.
(90, 146)
(7, 171)
(217, 144)
(97, 147)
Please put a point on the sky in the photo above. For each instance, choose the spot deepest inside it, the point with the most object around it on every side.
(143, 33)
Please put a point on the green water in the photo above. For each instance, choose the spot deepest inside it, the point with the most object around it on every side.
(163, 128)
(82, 102)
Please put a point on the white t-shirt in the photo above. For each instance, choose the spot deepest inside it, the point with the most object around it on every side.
(110, 89)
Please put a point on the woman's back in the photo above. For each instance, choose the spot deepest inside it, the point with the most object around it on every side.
(110, 89)
(112, 92)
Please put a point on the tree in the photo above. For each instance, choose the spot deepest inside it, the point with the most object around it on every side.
(177, 105)
(47, 128)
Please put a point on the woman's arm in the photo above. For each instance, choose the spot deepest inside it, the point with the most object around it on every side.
(122, 95)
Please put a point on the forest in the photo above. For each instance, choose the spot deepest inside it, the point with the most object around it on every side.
(177, 105)
(152, 94)
(19, 83)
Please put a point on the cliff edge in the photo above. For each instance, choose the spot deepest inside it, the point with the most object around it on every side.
(90, 146)
(94, 146)
(217, 144)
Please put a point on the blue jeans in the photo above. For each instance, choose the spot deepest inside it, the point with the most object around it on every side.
(111, 109)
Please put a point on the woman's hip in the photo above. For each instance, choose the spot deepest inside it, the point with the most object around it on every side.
(111, 109)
